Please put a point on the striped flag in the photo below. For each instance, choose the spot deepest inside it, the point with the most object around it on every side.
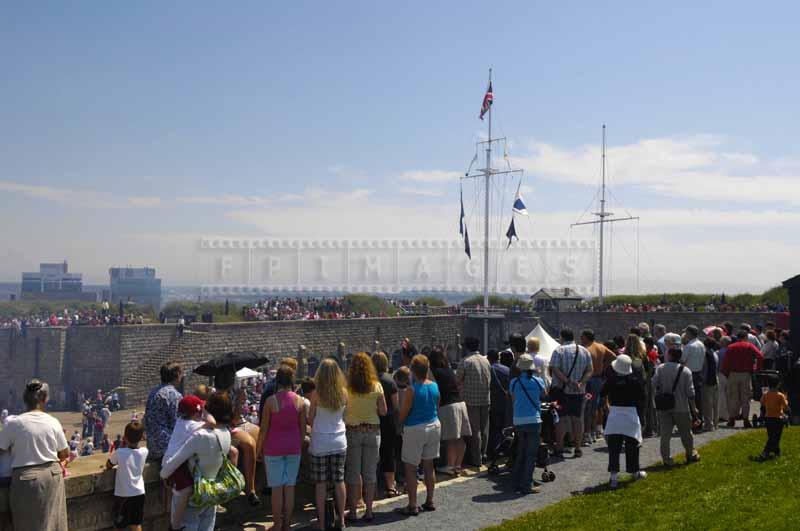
(487, 101)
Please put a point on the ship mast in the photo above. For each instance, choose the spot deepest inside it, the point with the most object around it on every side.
(486, 174)
(601, 220)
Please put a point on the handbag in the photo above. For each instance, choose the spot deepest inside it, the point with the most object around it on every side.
(666, 401)
(220, 490)
(558, 394)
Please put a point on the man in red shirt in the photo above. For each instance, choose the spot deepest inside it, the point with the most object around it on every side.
(740, 360)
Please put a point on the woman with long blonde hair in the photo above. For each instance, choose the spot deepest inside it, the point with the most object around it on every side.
(365, 406)
(328, 446)
(642, 369)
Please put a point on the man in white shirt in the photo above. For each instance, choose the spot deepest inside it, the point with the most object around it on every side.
(570, 368)
(694, 359)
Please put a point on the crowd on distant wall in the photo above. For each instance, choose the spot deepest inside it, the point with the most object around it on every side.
(75, 317)
(308, 309)
(710, 306)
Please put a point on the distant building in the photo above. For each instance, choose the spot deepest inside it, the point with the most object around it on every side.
(135, 284)
(54, 282)
(555, 300)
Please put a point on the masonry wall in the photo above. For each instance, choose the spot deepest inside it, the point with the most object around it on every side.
(87, 358)
(39, 353)
(145, 348)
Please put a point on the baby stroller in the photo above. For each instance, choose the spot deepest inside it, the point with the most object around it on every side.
(507, 448)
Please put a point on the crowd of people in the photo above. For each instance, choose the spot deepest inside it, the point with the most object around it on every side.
(377, 427)
(304, 309)
(713, 305)
(73, 317)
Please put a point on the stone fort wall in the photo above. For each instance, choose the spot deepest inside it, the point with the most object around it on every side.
(88, 358)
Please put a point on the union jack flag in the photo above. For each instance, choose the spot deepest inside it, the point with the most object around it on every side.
(487, 101)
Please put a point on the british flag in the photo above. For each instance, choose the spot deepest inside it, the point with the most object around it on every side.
(487, 101)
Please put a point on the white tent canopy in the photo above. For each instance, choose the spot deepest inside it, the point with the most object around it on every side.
(245, 372)
(546, 343)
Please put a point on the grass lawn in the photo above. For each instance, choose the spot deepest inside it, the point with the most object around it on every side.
(725, 490)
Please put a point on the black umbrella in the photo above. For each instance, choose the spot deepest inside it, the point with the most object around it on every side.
(231, 361)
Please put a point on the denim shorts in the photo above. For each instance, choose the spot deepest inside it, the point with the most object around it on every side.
(282, 470)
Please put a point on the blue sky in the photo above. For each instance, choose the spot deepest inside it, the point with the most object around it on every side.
(130, 130)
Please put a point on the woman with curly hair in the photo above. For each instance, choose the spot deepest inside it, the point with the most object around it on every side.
(328, 446)
(365, 406)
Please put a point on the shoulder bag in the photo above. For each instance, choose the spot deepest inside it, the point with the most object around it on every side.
(666, 401)
(220, 490)
(558, 394)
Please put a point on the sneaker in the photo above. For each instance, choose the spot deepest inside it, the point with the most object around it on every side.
(731, 423)
(747, 424)
(578, 453)
(446, 470)
(641, 474)
(668, 462)
(528, 490)
(694, 458)
(613, 483)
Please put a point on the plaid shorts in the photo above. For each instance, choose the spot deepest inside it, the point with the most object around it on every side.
(328, 467)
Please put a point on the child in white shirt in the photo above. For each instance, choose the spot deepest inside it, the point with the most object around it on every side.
(192, 417)
(128, 509)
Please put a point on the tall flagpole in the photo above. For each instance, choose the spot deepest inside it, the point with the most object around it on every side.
(488, 174)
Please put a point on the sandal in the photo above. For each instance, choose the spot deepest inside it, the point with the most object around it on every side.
(409, 511)
(428, 507)
(392, 493)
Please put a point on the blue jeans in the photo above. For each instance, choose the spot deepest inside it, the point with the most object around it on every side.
(196, 519)
(527, 449)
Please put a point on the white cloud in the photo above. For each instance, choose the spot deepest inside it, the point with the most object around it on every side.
(422, 192)
(144, 201)
(225, 199)
(77, 197)
(695, 167)
(430, 176)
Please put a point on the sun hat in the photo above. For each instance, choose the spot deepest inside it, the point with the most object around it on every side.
(190, 404)
(672, 340)
(525, 362)
(622, 365)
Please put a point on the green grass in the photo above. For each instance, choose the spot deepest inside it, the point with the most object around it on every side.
(771, 296)
(497, 301)
(725, 490)
(369, 304)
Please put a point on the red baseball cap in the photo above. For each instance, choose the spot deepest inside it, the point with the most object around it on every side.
(191, 404)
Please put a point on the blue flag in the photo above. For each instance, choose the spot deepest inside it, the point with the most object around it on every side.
(519, 205)
(461, 218)
(511, 233)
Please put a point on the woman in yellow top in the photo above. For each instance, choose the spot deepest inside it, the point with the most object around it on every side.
(365, 405)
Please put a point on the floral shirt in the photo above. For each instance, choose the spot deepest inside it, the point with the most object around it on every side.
(160, 415)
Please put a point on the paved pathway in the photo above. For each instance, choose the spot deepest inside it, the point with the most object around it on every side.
(484, 500)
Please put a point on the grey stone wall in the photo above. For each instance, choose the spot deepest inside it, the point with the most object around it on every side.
(144, 349)
(88, 358)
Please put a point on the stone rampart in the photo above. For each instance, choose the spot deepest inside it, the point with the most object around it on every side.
(87, 358)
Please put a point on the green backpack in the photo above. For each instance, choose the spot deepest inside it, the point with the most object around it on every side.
(228, 484)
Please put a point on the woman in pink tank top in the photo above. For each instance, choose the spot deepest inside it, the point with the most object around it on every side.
(280, 441)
